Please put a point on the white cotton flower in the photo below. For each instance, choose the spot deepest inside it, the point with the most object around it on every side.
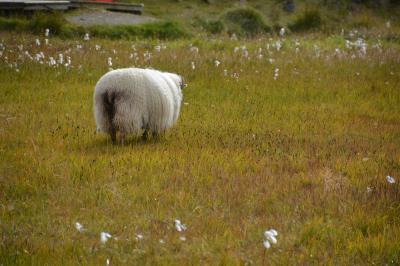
(278, 45)
(109, 62)
(266, 244)
(217, 63)
(235, 76)
(157, 48)
(270, 238)
(79, 227)
(97, 47)
(282, 31)
(236, 49)
(369, 189)
(193, 66)
(162, 241)
(147, 56)
(390, 179)
(179, 226)
(108, 262)
(86, 37)
(104, 236)
(273, 232)
(68, 60)
(37, 42)
(348, 44)
(276, 73)
(46, 32)
(139, 237)
(52, 62)
(194, 49)
(61, 59)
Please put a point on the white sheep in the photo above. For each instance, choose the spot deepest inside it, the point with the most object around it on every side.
(137, 101)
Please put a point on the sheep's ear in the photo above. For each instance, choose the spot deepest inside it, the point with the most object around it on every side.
(182, 83)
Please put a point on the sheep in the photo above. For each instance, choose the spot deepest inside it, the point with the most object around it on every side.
(137, 101)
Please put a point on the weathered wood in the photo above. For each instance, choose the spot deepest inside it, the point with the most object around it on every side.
(122, 7)
(26, 5)
(34, 5)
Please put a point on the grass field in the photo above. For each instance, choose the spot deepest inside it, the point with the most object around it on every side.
(294, 133)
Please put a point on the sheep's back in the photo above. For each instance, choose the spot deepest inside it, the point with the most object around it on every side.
(141, 101)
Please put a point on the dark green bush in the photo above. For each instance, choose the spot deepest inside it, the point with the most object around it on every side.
(160, 30)
(8, 24)
(309, 20)
(55, 22)
(213, 26)
(59, 27)
(245, 21)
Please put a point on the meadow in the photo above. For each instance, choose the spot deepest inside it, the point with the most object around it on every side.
(296, 133)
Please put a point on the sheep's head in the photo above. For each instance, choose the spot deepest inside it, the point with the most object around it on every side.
(178, 80)
(182, 83)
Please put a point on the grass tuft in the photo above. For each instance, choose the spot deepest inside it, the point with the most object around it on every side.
(55, 22)
(307, 21)
(245, 21)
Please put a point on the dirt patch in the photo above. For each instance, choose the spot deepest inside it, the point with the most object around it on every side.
(104, 17)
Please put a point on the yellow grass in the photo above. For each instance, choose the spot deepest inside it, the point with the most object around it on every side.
(306, 154)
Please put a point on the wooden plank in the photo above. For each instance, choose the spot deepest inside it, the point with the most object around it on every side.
(64, 5)
(122, 7)
(34, 5)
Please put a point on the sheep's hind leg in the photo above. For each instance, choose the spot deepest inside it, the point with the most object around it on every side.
(113, 134)
(122, 137)
(145, 135)
(155, 135)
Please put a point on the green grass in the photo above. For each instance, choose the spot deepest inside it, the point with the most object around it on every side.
(248, 153)
(185, 18)
(58, 26)
(245, 21)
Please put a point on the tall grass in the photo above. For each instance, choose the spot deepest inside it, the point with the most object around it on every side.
(245, 21)
(58, 26)
(305, 153)
(307, 21)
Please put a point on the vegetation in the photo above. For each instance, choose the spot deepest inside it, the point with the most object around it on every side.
(245, 21)
(201, 18)
(56, 23)
(309, 20)
(294, 133)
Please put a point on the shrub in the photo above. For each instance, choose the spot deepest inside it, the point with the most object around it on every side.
(11, 24)
(245, 21)
(55, 22)
(309, 20)
(164, 30)
(213, 26)
(59, 27)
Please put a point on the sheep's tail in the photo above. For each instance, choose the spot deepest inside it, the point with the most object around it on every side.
(108, 102)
